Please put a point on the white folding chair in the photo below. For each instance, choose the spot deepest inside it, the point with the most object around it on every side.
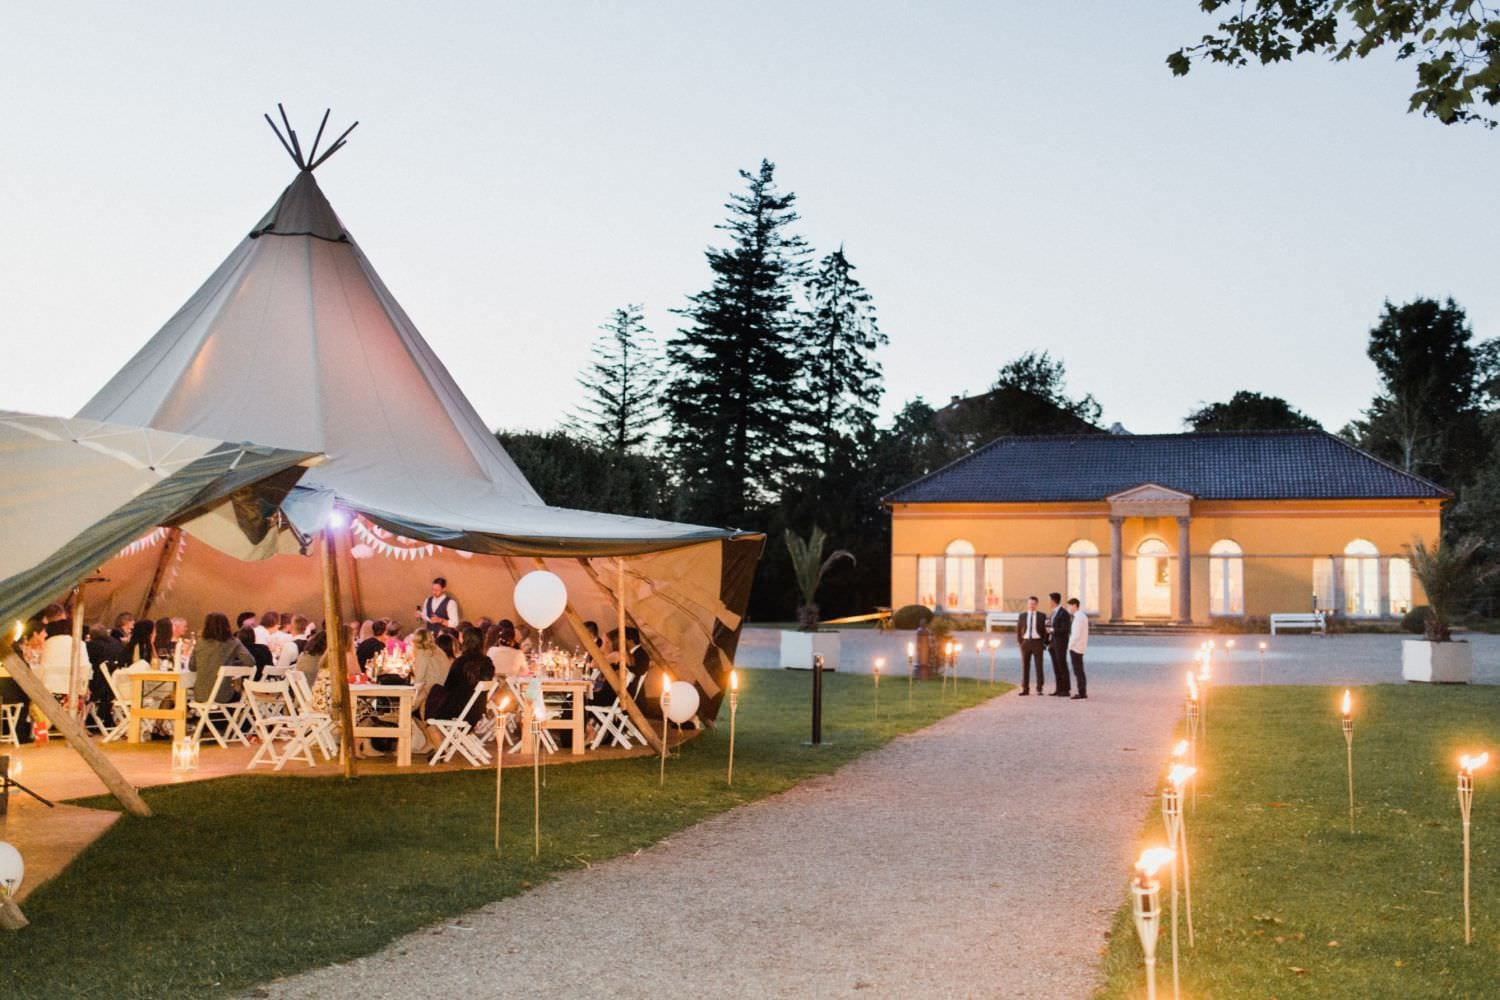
(231, 713)
(10, 720)
(518, 690)
(275, 719)
(614, 723)
(458, 736)
(325, 735)
(119, 727)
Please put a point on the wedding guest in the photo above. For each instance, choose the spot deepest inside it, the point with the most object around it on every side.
(371, 644)
(444, 642)
(123, 623)
(258, 651)
(469, 668)
(216, 647)
(310, 660)
(1078, 644)
(139, 646)
(57, 653)
(164, 636)
(439, 610)
(1031, 639)
(107, 653)
(1058, 624)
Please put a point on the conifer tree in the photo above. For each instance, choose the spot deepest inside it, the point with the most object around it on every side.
(736, 399)
(843, 377)
(622, 385)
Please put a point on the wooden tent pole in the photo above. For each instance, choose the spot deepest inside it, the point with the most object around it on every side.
(75, 654)
(699, 674)
(615, 680)
(354, 598)
(168, 550)
(620, 634)
(338, 675)
(20, 672)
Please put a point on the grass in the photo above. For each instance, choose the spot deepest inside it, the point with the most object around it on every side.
(239, 880)
(1288, 903)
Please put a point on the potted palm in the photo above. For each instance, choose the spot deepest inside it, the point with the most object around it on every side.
(1448, 572)
(800, 645)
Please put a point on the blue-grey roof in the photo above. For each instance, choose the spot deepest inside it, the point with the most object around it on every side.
(1235, 465)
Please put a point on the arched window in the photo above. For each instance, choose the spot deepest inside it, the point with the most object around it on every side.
(1153, 579)
(958, 576)
(927, 581)
(1226, 578)
(1400, 585)
(1361, 579)
(994, 583)
(1083, 574)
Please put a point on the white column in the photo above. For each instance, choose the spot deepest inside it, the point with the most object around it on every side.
(1116, 569)
(1184, 570)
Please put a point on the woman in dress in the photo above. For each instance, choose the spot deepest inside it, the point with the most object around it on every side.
(216, 648)
(469, 668)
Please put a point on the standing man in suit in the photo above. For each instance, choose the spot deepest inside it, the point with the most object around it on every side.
(1059, 628)
(1031, 639)
(1078, 644)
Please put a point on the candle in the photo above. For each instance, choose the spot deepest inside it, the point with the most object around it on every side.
(734, 704)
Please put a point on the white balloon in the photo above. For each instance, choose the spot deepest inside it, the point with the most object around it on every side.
(684, 702)
(12, 869)
(362, 551)
(540, 598)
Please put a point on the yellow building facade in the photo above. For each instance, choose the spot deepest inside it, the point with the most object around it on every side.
(972, 538)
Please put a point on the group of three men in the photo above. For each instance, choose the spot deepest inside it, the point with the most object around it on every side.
(1064, 633)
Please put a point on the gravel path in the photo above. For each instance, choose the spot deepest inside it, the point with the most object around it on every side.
(981, 857)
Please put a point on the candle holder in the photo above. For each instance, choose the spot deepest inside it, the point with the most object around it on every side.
(539, 713)
(1349, 754)
(1193, 710)
(1263, 663)
(994, 648)
(1171, 812)
(953, 663)
(184, 755)
(943, 667)
(1177, 833)
(666, 710)
(502, 722)
(734, 705)
(911, 666)
(1466, 767)
(879, 664)
(1146, 896)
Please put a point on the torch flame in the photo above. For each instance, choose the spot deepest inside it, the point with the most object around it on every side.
(734, 680)
(1262, 647)
(504, 704)
(1181, 749)
(20, 628)
(1348, 704)
(539, 711)
(879, 664)
(911, 649)
(1179, 775)
(1471, 764)
(1153, 859)
(1192, 686)
(666, 684)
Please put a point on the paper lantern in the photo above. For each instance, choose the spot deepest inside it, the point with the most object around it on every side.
(184, 755)
(12, 869)
(540, 598)
(683, 704)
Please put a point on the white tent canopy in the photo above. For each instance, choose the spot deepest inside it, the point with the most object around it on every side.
(295, 339)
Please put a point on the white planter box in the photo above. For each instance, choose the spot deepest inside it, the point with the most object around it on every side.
(799, 648)
(1437, 662)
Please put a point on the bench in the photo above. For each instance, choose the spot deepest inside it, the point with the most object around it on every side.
(1001, 619)
(1313, 621)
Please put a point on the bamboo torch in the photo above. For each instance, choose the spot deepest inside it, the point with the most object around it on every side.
(1347, 706)
(734, 704)
(501, 711)
(1466, 767)
(666, 698)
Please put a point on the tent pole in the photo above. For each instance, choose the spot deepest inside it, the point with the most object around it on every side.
(168, 550)
(616, 681)
(354, 598)
(333, 618)
(20, 672)
(620, 635)
(693, 674)
(75, 654)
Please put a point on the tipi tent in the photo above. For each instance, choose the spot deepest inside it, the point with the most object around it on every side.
(295, 339)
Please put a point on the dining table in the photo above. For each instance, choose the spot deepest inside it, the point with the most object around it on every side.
(405, 695)
(572, 720)
(175, 713)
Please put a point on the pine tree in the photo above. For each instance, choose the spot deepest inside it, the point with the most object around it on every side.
(843, 378)
(736, 400)
(622, 385)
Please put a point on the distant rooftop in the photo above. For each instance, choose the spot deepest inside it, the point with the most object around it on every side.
(1231, 465)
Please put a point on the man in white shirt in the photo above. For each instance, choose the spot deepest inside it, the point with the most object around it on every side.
(1078, 644)
(57, 653)
(1031, 639)
(440, 611)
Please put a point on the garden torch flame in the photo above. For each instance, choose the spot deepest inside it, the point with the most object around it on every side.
(1348, 705)
(1181, 749)
(1192, 686)
(539, 711)
(1469, 764)
(20, 628)
(911, 650)
(1179, 775)
(734, 680)
(504, 704)
(1152, 860)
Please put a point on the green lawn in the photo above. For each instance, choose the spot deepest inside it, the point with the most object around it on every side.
(1286, 902)
(242, 879)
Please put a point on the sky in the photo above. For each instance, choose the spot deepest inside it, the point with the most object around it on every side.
(1006, 176)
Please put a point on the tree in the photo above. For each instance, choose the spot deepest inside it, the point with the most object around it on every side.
(1456, 44)
(1045, 378)
(569, 472)
(1427, 418)
(1449, 573)
(736, 401)
(622, 385)
(843, 378)
(1250, 411)
(808, 568)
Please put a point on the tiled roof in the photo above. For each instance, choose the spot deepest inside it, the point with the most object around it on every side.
(1239, 465)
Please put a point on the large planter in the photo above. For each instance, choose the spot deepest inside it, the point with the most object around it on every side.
(1437, 662)
(798, 649)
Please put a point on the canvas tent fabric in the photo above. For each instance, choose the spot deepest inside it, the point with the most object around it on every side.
(295, 339)
(79, 491)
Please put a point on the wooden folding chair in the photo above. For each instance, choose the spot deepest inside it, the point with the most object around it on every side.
(276, 720)
(458, 736)
(231, 713)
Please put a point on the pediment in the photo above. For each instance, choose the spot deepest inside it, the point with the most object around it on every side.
(1150, 500)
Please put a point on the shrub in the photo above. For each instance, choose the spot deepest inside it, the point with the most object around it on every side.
(941, 627)
(1415, 620)
(910, 616)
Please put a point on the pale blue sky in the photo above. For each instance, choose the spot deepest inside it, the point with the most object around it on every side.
(1006, 176)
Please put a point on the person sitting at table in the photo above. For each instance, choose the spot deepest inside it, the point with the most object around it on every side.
(310, 660)
(124, 621)
(469, 668)
(444, 641)
(138, 647)
(164, 639)
(500, 648)
(258, 650)
(369, 645)
(107, 653)
(11, 692)
(216, 647)
(57, 653)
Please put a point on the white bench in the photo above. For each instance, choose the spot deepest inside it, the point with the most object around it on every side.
(1313, 621)
(1001, 619)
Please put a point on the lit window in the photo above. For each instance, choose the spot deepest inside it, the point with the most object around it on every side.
(1400, 585)
(1226, 578)
(994, 583)
(1083, 574)
(1361, 579)
(958, 576)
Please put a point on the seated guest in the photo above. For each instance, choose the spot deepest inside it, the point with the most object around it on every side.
(29, 648)
(216, 647)
(139, 647)
(469, 668)
(258, 651)
(164, 637)
(500, 648)
(107, 654)
(302, 630)
(444, 641)
(310, 660)
(124, 621)
(429, 664)
(368, 647)
(57, 653)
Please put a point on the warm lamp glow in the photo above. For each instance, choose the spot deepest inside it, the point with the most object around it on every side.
(20, 628)
(1181, 749)
(734, 680)
(539, 711)
(1192, 686)
(1152, 860)
(1348, 704)
(1179, 775)
(1229, 644)
(911, 649)
(1262, 647)
(879, 663)
(994, 643)
(504, 704)
(1469, 764)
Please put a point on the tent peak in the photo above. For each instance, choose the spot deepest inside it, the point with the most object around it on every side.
(309, 161)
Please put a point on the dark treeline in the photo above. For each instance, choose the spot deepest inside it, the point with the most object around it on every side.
(759, 411)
